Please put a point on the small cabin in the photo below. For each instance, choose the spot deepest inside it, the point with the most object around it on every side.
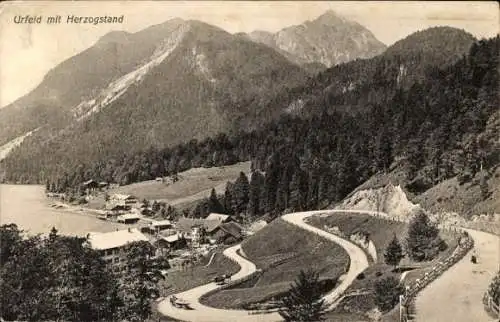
(128, 219)
(156, 227)
(123, 199)
(90, 186)
(172, 242)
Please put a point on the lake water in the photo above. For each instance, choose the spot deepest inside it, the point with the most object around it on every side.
(27, 206)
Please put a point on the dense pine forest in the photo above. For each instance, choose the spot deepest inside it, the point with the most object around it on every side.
(432, 130)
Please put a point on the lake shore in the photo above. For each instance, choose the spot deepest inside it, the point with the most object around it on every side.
(29, 208)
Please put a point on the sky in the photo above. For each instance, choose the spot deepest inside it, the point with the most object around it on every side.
(29, 51)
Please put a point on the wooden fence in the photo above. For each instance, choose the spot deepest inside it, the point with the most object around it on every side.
(491, 305)
(466, 243)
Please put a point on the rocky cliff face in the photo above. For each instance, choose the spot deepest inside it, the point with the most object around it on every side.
(329, 39)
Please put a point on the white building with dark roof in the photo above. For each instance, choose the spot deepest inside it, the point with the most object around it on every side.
(129, 218)
(111, 245)
(155, 227)
(119, 198)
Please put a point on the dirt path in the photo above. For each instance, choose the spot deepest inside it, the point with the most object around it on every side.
(358, 259)
(205, 313)
(202, 313)
(457, 294)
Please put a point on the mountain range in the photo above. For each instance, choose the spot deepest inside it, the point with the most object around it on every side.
(184, 80)
(172, 82)
(355, 85)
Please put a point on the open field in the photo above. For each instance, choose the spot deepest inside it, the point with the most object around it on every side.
(281, 250)
(193, 184)
(381, 232)
(191, 277)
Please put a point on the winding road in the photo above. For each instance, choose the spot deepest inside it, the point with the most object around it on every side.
(457, 294)
(459, 290)
(203, 313)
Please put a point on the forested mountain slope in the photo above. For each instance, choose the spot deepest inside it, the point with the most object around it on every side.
(355, 85)
(437, 129)
(198, 81)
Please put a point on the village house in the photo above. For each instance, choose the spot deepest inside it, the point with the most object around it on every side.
(121, 199)
(128, 218)
(111, 246)
(155, 227)
(117, 209)
(226, 233)
(196, 230)
(90, 186)
(113, 211)
(171, 243)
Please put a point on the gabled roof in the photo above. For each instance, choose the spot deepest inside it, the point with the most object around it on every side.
(185, 224)
(128, 216)
(161, 223)
(117, 207)
(172, 238)
(232, 228)
(219, 217)
(102, 241)
(86, 183)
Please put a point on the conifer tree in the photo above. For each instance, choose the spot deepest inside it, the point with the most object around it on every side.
(271, 183)
(421, 237)
(254, 194)
(295, 202)
(228, 199)
(214, 204)
(304, 299)
(241, 192)
(393, 253)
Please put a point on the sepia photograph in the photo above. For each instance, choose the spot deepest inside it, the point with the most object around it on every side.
(250, 161)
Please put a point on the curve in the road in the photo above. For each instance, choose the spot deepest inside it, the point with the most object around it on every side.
(203, 313)
(457, 294)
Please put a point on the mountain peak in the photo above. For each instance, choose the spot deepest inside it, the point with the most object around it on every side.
(330, 39)
(330, 17)
(116, 37)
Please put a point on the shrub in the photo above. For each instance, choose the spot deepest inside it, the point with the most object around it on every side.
(387, 293)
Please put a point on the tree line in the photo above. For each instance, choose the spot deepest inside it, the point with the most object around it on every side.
(61, 278)
(432, 131)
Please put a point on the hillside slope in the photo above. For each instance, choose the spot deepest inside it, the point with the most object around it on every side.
(79, 78)
(288, 249)
(197, 81)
